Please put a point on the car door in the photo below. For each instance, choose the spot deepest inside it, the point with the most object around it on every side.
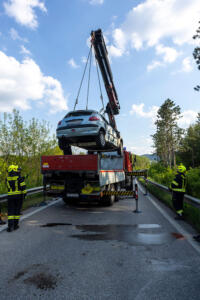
(110, 137)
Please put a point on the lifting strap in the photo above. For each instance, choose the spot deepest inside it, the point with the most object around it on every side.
(76, 102)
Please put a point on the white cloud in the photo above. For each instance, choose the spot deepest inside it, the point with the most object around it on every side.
(23, 82)
(139, 110)
(145, 146)
(96, 2)
(84, 59)
(169, 54)
(15, 36)
(154, 64)
(25, 51)
(23, 11)
(187, 64)
(114, 51)
(152, 21)
(188, 117)
(73, 64)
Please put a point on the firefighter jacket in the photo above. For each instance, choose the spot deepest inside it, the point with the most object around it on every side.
(15, 184)
(179, 183)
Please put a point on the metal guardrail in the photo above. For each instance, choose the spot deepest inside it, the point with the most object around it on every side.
(3, 197)
(187, 198)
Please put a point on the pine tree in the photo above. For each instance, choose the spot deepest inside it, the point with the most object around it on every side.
(196, 54)
(168, 133)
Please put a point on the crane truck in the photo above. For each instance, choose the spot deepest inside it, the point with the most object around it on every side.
(96, 177)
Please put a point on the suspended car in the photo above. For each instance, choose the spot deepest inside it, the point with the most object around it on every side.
(89, 130)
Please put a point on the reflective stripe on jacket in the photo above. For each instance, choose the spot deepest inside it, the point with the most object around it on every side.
(15, 185)
(179, 183)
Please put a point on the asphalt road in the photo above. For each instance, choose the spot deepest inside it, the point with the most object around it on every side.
(106, 253)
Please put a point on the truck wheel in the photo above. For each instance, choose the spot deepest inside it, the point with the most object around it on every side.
(117, 188)
(101, 142)
(111, 198)
(120, 149)
(66, 200)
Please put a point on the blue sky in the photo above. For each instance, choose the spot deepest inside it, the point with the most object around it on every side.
(43, 45)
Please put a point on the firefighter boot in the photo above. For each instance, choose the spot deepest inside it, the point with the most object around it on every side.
(10, 225)
(16, 226)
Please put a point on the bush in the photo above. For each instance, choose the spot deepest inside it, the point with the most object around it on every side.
(193, 182)
(164, 175)
(161, 174)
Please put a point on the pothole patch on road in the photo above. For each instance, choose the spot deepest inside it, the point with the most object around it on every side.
(38, 275)
(43, 281)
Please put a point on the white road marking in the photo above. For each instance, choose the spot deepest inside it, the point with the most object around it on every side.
(174, 223)
(3, 227)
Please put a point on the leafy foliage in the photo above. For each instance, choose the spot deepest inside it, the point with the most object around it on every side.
(164, 175)
(189, 151)
(140, 162)
(196, 54)
(23, 143)
(161, 174)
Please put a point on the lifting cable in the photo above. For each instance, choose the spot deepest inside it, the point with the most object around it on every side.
(89, 80)
(101, 96)
(89, 54)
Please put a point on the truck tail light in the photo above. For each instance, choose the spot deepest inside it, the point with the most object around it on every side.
(94, 119)
(59, 123)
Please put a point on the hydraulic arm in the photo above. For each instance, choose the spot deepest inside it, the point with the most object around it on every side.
(101, 55)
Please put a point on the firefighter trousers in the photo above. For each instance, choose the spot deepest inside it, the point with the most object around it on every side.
(14, 205)
(177, 199)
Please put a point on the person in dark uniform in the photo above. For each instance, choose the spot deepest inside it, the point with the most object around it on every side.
(178, 190)
(16, 190)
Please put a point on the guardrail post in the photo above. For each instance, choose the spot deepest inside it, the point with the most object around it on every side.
(136, 199)
(146, 190)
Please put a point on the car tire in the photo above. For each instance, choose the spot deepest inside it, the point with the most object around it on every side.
(101, 142)
(67, 150)
(120, 149)
(90, 152)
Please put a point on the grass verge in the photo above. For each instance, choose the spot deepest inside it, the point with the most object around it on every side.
(191, 213)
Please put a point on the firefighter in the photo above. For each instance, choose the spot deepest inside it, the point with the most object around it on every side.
(16, 192)
(178, 189)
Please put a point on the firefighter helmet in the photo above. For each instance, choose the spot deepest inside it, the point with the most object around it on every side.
(11, 168)
(181, 168)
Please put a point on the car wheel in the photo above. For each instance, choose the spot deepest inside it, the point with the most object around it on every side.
(90, 152)
(120, 149)
(67, 150)
(101, 142)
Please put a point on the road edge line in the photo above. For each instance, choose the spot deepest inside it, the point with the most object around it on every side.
(174, 223)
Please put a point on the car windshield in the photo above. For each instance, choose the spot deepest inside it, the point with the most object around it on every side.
(79, 113)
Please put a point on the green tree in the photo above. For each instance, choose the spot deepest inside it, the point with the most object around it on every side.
(168, 133)
(189, 151)
(23, 143)
(196, 54)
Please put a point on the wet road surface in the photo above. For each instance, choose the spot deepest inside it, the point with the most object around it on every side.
(94, 252)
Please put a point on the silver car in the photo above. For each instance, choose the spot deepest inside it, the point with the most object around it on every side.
(87, 129)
